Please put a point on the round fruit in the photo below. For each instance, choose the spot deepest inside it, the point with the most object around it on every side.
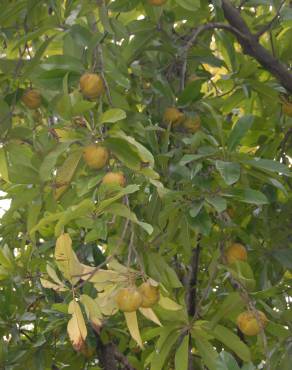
(248, 323)
(192, 124)
(150, 294)
(128, 299)
(32, 99)
(173, 115)
(156, 2)
(95, 156)
(91, 85)
(236, 252)
(114, 178)
(287, 109)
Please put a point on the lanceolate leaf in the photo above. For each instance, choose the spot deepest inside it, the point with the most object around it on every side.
(66, 259)
(132, 323)
(76, 327)
(181, 355)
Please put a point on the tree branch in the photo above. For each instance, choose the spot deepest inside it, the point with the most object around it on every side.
(251, 46)
(192, 280)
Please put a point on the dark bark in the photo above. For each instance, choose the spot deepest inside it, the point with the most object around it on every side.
(192, 281)
(251, 46)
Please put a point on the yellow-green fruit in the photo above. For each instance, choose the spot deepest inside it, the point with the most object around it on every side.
(128, 299)
(192, 124)
(287, 109)
(32, 99)
(173, 115)
(248, 323)
(91, 85)
(150, 295)
(236, 252)
(114, 178)
(95, 156)
(157, 2)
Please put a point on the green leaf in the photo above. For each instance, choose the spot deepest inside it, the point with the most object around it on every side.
(217, 202)
(191, 93)
(232, 303)
(163, 351)
(226, 362)
(284, 256)
(239, 130)
(207, 353)
(232, 341)
(182, 355)
(191, 5)
(49, 163)
(3, 165)
(112, 115)
(230, 171)
(269, 165)
(247, 196)
(124, 211)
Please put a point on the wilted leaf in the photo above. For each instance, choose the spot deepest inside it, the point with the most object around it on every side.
(92, 311)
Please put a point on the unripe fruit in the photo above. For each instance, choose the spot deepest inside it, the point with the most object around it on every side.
(150, 294)
(114, 178)
(91, 85)
(287, 109)
(156, 2)
(248, 323)
(95, 156)
(192, 124)
(173, 115)
(32, 99)
(236, 252)
(128, 299)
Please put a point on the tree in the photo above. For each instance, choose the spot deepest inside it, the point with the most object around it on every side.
(145, 149)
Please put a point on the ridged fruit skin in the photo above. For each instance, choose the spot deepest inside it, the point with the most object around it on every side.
(173, 115)
(236, 252)
(192, 124)
(32, 99)
(114, 178)
(150, 295)
(287, 109)
(95, 156)
(156, 2)
(128, 299)
(248, 323)
(91, 85)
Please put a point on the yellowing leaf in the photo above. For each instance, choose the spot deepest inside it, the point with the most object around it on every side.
(76, 327)
(66, 172)
(101, 276)
(92, 311)
(169, 304)
(53, 275)
(150, 315)
(66, 259)
(132, 323)
(3, 165)
(49, 285)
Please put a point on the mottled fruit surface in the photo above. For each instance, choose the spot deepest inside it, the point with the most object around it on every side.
(249, 324)
(114, 178)
(95, 156)
(192, 124)
(287, 109)
(128, 299)
(173, 115)
(236, 252)
(150, 295)
(32, 99)
(91, 85)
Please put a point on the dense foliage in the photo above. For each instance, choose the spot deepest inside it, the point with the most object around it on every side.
(183, 184)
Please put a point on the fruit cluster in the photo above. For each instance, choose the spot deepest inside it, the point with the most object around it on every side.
(132, 298)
